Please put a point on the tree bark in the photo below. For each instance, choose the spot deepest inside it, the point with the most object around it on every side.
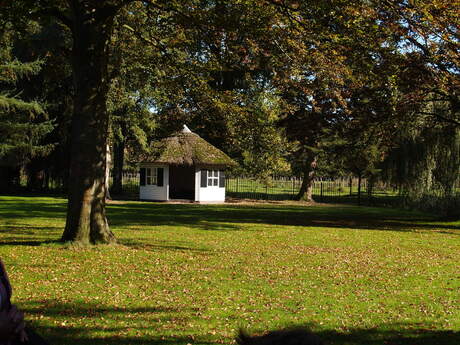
(359, 188)
(86, 219)
(306, 189)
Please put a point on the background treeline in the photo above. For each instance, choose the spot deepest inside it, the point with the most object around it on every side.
(308, 89)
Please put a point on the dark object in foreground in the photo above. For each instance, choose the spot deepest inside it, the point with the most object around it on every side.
(32, 339)
(13, 330)
(297, 336)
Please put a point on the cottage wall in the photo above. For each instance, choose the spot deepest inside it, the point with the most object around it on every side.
(152, 192)
(209, 193)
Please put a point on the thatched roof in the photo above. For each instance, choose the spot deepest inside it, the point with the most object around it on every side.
(187, 148)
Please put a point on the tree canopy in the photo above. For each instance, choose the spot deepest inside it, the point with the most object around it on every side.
(275, 83)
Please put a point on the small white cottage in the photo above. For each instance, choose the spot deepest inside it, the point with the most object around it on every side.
(184, 166)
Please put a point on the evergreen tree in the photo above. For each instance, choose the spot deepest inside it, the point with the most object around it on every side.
(23, 123)
(54, 87)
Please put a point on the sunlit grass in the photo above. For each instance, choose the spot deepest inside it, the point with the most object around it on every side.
(195, 273)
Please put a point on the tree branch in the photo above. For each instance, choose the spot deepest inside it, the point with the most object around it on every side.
(158, 44)
(56, 13)
(442, 118)
(110, 11)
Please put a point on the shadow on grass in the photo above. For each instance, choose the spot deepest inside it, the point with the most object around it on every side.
(394, 334)
(230, 217)
(128, 325)
(82, 336)
(386, 334)
(26, 243)
(163, 246)
(134, 325)
(26, 235)
(91, 310)
(27, 207)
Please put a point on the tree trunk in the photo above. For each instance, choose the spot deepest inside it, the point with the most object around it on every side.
(36, 175)
(359, 189)
(86, 219)
(370, 186)
(118, 161)
(306, 189)
(10, 178)
(108, 163)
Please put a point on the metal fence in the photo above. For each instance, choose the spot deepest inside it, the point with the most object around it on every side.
(323, 189)
(130, 184)
(340, 190)
(286, 188)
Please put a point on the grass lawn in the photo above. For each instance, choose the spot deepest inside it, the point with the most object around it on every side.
(194, 274)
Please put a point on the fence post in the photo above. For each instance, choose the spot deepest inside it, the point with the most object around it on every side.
(321, 191)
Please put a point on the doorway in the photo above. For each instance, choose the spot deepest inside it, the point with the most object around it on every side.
(182, 182)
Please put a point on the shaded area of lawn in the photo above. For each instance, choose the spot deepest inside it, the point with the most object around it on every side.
(225, 217)
(95, 314)
(394, 334)
(18, 207)
(149, 213)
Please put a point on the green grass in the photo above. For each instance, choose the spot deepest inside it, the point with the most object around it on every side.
(194, 274)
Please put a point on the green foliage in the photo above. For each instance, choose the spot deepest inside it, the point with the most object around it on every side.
(268, 82)
(426, 164)
(23, 123)
(131, 119)
(431, 163)
(15, 70)
(262, 145)
(362, 161)
(426, 32)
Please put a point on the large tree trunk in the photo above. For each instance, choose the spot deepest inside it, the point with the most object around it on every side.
(306, 189)
(86, 218)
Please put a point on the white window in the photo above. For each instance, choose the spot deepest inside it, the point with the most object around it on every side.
(213, 178)
(151, 176)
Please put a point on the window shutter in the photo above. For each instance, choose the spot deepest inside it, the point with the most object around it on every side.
(142, 176)
(160, 173)
(221, 179)
(204, 178)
